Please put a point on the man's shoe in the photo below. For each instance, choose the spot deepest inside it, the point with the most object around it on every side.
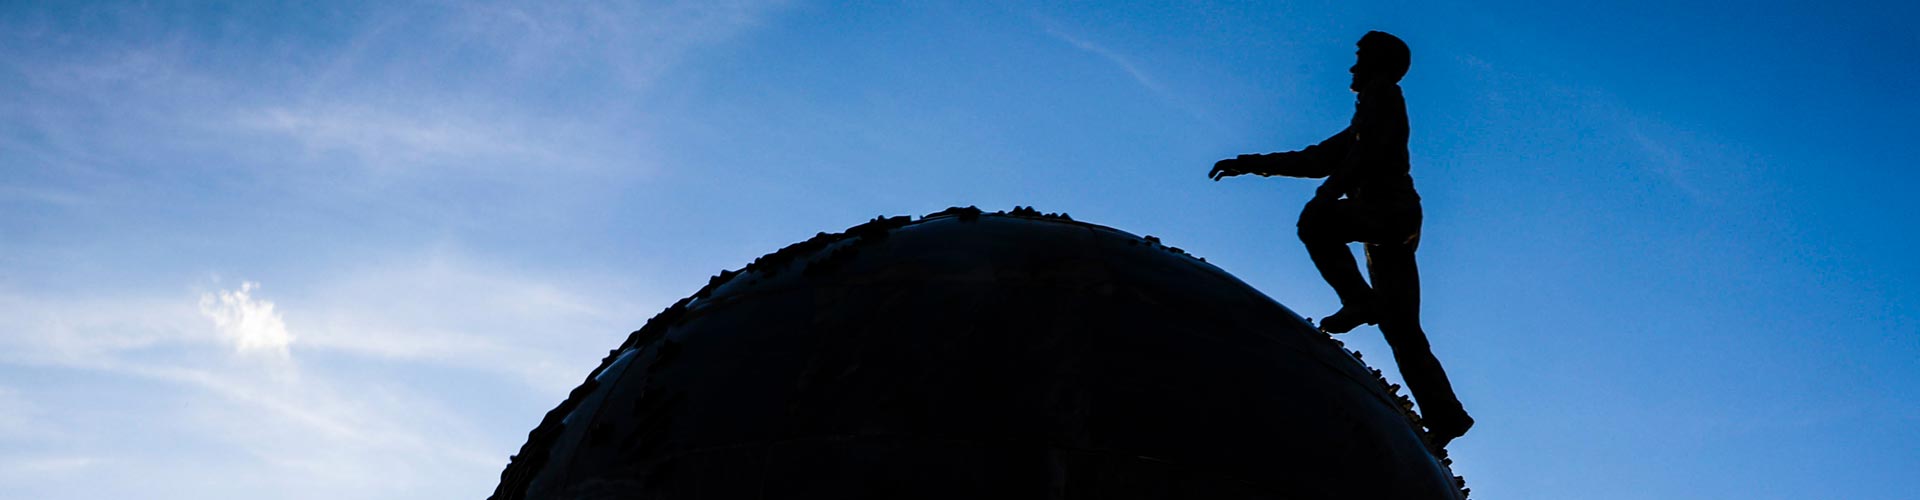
(1347, 318)
(1443, 432)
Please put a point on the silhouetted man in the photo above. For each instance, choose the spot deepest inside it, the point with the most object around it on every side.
(1368, 197)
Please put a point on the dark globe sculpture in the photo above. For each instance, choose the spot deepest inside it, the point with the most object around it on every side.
(970, 355)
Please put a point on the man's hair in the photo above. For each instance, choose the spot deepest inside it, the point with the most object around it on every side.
(1386, 53)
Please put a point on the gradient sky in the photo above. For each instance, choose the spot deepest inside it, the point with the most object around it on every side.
(337, 250)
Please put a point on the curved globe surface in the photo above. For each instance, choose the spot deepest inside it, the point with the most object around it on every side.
(970, 355)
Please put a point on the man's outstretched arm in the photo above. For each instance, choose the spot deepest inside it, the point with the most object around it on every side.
(1314, 162)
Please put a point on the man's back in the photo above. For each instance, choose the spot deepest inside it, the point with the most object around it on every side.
(1378, 157)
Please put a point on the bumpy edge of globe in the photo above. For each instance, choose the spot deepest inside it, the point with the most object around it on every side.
(522, 467)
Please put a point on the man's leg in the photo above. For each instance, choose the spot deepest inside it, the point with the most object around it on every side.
(1396, 282)
(1326, 227)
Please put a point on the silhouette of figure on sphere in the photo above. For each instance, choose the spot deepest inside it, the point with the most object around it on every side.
(1368, 197)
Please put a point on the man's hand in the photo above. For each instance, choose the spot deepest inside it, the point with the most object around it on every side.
(1225, 168)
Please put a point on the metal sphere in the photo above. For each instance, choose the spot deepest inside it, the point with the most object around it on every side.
(970, 355)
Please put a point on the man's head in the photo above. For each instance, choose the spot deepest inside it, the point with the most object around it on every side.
(1382, 57)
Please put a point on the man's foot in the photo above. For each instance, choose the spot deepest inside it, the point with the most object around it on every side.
(1349, 316)
(1445, 431)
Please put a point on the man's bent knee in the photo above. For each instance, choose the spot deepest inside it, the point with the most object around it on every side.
(1317, 225)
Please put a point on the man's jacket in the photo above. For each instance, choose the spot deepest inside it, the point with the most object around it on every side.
(1367, 162)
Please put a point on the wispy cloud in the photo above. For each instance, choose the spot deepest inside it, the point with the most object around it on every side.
(1126, 63)
(520, 87)
(395, 373)
(40, 467)
(46, 196)
(636, 41)
(40, 330)
(1123, 62)
(358, 415)
(1668, 163)
(442, 308)
(446, 138)
(1689, 162)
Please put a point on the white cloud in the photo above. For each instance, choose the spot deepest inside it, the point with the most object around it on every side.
(537, 86)
(250, 323)
(57, 197)
(635, 41)
(46, 330)
(512, 88)
(444, 309)
(26, 468)
(383, 138)
(419, 373)
(1125, 63)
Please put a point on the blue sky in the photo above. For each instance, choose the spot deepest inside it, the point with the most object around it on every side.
(334, 249)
